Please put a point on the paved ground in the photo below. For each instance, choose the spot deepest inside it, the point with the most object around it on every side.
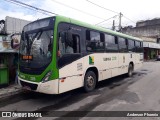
(138, 93)
(9, 90)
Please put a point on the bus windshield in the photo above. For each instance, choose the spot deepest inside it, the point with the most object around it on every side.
(36, 45)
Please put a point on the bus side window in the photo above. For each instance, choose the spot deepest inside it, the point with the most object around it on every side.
(61, 43)
(94, 41)
(122, 44)
(111, 43)
(141, 47)
(76, 43)
(68, 45)
(138, 46)
(131, 46)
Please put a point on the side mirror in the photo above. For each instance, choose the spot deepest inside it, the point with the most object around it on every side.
(15, 43)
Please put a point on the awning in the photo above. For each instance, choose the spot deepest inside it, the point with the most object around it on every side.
(151, 45)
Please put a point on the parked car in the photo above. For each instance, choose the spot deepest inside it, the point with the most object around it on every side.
(158, 57)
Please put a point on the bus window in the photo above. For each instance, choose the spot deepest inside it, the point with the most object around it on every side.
(141, 50)
(131, 46)
(122, 44)
(94, 36)
(110, 43)
(68, 50)
(69, 46)
(138, 46)
(61, 43)
(94, 42)
(76, 44)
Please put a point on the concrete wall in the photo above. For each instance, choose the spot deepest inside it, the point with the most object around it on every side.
(14, 25)
(148, 30)
(151, 33)
(148, 23)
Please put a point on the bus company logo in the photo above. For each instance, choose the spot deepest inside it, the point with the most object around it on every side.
(6, 114)
(21, 114)
(91, 60)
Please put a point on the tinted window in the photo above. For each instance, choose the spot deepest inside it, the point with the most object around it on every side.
(138, 46)
(94, 36)
(109, 39)
(122, 44)
(69, 46)
(94, 41)
(69, 42)
(110, 43)
(141, 44)
(131, 46)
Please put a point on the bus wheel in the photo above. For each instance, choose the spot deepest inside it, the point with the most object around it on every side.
(130, 70)
(89, 81)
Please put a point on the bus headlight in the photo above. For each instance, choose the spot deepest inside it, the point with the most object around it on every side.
(47, 76)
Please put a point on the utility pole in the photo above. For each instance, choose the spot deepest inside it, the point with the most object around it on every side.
(113, 26)
(120, 21)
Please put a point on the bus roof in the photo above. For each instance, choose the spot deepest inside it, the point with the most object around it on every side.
(79, 23)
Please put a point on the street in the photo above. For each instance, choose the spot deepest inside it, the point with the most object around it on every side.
(141, 92)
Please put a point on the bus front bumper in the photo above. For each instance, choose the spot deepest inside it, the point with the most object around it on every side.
(49, 87)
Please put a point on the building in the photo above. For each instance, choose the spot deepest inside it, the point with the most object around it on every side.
(149, 31)
(10, 31)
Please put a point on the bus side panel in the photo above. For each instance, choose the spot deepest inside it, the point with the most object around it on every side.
(71, 76)
(107, 74)
(138, 63)
(111, 65)
(124, 60)
(74, 72)
(95, 60)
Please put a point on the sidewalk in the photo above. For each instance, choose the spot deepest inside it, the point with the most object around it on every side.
(151, 60)
(10, 90)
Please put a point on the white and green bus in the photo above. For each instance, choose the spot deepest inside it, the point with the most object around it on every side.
(59, 54)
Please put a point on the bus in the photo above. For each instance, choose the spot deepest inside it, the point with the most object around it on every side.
(59, 54)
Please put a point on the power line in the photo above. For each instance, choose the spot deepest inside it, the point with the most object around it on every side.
(45, 11)
(49, 12)
(106, 20)
(78, 10)
(102, 7)
(30, 7)
(27, 7)
(129, 19)
(109, 10)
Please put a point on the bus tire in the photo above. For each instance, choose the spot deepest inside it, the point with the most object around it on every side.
(89, 81)
(130, 70)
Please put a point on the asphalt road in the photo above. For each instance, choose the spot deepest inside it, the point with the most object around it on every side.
(138, 93)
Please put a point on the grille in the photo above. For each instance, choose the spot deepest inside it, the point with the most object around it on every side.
(31, 85)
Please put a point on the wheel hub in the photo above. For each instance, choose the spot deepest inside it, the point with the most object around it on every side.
(90, 81)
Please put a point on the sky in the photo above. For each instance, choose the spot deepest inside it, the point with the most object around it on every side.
(135, 10)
